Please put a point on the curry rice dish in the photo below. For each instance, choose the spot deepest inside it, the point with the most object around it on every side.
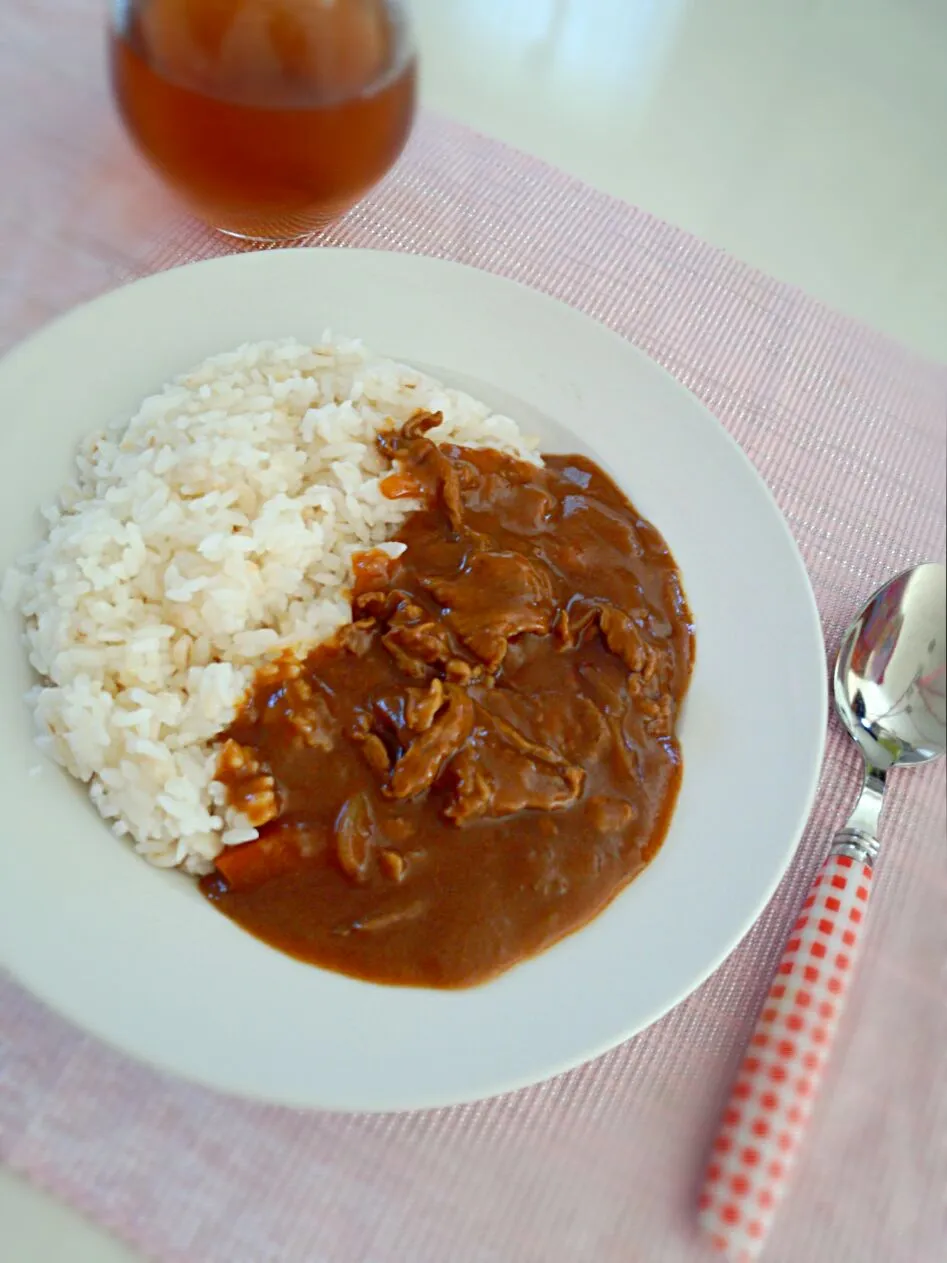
(333, 638)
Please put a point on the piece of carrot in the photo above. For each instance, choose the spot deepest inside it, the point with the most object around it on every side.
(252, 863)
(399, 486)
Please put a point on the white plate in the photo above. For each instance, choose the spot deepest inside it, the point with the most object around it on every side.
(140, 959)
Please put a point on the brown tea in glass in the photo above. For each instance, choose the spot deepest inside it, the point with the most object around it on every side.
(269, 117)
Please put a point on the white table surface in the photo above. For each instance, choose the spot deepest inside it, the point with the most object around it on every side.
(806, 137)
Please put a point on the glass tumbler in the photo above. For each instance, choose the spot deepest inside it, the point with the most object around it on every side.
(269, 117)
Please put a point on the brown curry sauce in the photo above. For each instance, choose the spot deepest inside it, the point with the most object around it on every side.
(486, 756)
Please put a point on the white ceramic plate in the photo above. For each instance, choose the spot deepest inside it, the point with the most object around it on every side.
(139, 958)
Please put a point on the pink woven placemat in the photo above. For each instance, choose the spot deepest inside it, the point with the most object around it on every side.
(601, 1164)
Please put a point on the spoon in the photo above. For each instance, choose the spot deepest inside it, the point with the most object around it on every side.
(890, 694)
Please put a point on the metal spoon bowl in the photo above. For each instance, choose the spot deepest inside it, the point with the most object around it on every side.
(890, 694)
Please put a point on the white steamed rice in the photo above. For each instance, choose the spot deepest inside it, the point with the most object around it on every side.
(212, 531)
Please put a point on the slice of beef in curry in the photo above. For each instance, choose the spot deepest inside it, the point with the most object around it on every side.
(426, 461)
(499, 595)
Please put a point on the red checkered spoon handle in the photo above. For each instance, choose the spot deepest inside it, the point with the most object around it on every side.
(773, 1094)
